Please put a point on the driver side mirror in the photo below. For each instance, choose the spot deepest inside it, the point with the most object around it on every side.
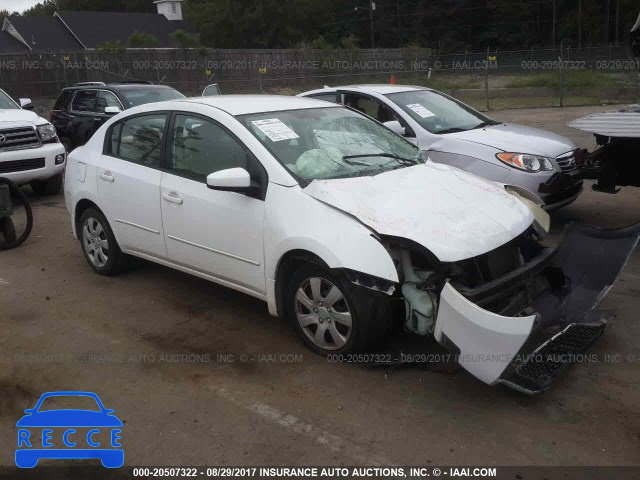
(232, 180)
(396, 127)
(26, 104)
(112, 110)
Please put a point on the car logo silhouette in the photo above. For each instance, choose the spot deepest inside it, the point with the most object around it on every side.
(29, 452)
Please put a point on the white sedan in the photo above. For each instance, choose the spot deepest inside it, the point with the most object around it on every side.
(343, 227)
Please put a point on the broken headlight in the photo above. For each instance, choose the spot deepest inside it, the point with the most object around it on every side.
(526, 162)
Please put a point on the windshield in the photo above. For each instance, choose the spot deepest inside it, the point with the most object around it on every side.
(139, 96)
(439, 113)
(6, 102)
(65, 402)
(322, 143)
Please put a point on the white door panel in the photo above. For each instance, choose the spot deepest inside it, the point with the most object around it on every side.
(130, 199)
(215, 232)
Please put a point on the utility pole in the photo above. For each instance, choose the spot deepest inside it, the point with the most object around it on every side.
(579, 23)
(372, 9)
(553, 41)
(608, 34)
(617, 20)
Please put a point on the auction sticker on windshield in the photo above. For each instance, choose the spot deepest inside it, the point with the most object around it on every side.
(420, 110)
(275, 129)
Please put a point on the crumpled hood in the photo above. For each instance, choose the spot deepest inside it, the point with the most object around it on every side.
(509, 137)
(16, 115)
(454, 214)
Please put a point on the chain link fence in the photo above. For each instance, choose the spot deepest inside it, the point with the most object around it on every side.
(491, 79)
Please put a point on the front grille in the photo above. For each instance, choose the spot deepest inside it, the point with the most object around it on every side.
(18, 138)
(21, 165)
(567, 163)
(548, 360)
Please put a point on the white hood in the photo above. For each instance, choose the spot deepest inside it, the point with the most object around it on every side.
(19, 116)
(454, 214)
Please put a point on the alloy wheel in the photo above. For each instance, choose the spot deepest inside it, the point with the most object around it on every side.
(323, 313)
(96, 244)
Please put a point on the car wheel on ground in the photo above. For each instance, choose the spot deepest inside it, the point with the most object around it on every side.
(99, 245)
(330, 315)
(51, 186)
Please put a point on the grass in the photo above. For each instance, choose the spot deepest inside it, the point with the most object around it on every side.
(572, 79)
(541, 102)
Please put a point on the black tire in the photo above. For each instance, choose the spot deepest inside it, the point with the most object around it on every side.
(8, 230)
(370, 312)
(116, 261)
(10, 239)
(51, 186)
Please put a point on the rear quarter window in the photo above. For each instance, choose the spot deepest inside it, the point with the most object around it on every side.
(327, 97)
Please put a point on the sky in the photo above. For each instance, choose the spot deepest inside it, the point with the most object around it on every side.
(17, 5)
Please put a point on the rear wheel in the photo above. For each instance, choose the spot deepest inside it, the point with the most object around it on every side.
(331, 315)
(99, 245)
(48, 187)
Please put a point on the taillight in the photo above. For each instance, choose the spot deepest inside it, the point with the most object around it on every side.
(50, 115)
(581, 155)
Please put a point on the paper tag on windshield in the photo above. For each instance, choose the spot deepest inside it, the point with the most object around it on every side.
(275, 129)
(420, 110)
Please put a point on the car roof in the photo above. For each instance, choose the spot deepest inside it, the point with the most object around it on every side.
(247, 104)
(117, 86)
(380, 88)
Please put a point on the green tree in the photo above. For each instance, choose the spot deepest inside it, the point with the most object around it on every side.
(141, 40)
(183, 39)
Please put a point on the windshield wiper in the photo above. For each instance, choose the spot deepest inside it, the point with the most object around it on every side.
(486, 123)
(451, 130)
(402, 160)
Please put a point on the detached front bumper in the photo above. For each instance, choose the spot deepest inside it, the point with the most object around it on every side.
(527, 352)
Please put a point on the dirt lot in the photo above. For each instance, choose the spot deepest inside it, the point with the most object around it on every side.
(129, 339)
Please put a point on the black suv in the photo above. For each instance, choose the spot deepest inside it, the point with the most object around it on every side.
(80, 110)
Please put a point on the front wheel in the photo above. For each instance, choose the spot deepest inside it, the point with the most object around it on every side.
(331, 315)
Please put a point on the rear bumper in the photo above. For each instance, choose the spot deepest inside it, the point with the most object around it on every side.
(528, 351)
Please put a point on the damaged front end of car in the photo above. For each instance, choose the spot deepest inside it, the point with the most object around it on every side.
(518, 314)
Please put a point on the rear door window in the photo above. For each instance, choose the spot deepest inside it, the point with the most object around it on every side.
(138, 139)
(84, 101)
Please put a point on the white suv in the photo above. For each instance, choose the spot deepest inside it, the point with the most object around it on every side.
(30, 152)
(336, 223)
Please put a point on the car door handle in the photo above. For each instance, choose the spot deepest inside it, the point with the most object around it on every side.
(173, 198)
(106, 176)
